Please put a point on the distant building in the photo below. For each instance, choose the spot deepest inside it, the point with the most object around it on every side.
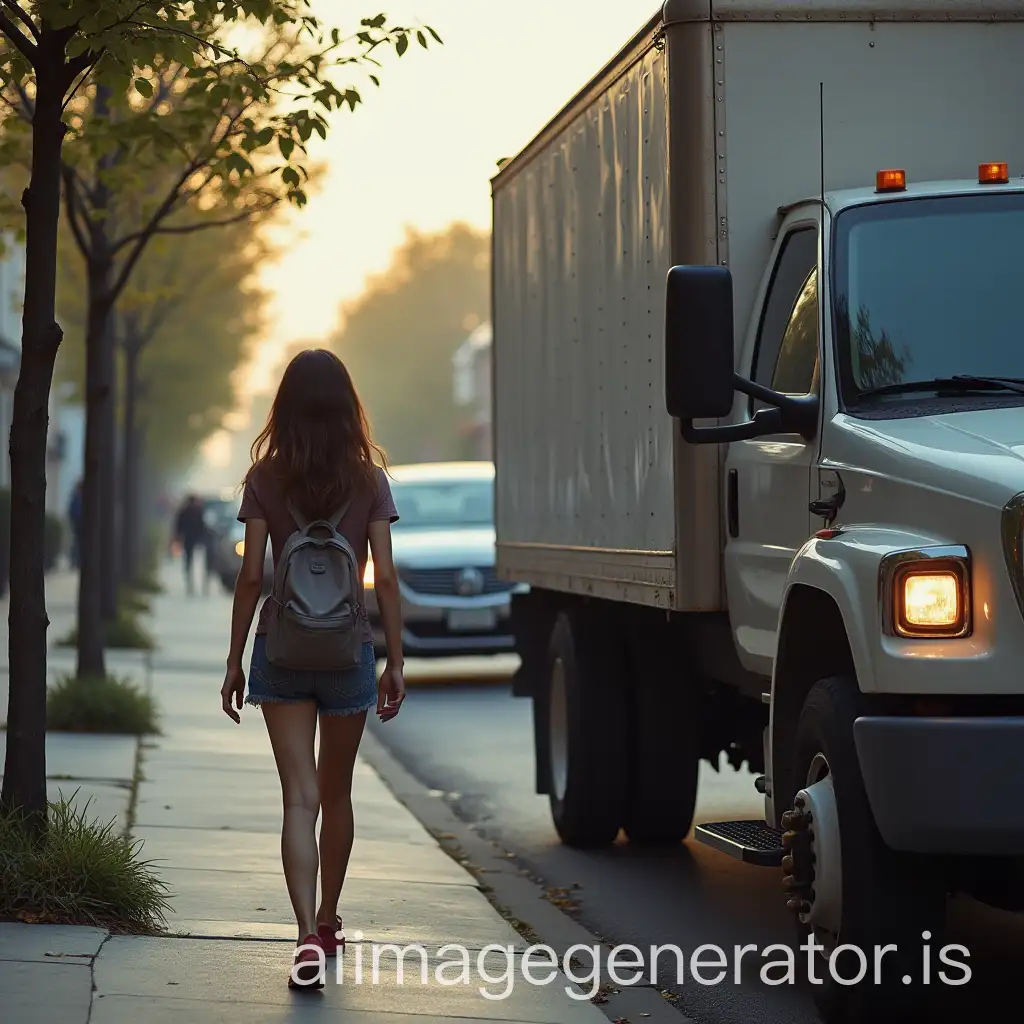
(472, 382)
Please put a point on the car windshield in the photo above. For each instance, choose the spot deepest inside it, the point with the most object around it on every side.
(218, 513)
(929, 288)
(444, 504)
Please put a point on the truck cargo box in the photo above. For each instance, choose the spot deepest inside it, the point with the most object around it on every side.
(681, 151)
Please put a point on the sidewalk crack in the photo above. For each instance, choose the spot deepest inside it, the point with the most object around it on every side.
(92, 977)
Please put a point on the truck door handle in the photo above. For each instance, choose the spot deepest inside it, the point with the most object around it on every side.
(733, 504)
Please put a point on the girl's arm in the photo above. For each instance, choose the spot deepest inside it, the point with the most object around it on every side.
(389, 604)
(248, 588)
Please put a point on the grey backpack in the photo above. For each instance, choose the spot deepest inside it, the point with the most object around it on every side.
(316, 622)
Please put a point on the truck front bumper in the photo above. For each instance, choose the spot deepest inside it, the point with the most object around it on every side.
(945, 785)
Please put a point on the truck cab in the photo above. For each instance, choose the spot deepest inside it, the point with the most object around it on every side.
(874, 497)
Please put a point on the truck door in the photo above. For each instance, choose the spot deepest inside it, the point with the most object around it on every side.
(768, 479)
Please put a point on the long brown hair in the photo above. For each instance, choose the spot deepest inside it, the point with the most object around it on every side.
(316, 442)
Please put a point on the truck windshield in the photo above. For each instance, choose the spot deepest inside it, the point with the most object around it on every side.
(929, 289)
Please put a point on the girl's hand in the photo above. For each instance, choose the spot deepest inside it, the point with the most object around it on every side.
(234, 687)
(390, 693)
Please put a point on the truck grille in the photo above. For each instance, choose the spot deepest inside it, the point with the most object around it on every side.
(442, 582)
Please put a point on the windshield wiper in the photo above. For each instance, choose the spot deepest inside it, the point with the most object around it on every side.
(960, 382)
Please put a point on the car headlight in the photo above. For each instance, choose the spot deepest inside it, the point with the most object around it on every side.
(240, 548)
(926, 593)
(368, 574)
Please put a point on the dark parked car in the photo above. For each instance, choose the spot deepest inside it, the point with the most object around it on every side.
(228, 542)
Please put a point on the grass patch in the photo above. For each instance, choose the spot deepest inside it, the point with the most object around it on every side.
(124, 633)
(146, 584)
(77, 871)
(108, 705)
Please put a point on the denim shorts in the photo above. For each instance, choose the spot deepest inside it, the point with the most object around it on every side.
(348, 692)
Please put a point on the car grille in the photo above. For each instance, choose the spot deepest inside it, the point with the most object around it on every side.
(442, 582)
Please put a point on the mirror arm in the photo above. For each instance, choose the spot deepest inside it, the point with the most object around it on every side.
(787, 403)
(798, 411)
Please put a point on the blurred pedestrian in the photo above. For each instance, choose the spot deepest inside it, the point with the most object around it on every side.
(75, 519)
(190, 533)
(314, 463)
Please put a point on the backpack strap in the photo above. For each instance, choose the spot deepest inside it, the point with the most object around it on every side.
(336, 519)
(300, 519)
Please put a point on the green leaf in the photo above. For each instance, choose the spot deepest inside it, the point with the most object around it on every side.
(287, 146)
(237, 162)
(144, 87)
(290, 176)
(402, 45)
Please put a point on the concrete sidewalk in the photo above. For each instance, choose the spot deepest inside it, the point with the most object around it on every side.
(208, 811)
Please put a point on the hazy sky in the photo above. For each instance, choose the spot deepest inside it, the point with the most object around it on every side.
(422, 149)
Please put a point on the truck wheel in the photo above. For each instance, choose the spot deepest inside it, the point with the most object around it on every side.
(663, 751)
(846, 886)
(584, 714)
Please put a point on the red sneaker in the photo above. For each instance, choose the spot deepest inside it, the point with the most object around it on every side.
(327, 935)
(306, 971)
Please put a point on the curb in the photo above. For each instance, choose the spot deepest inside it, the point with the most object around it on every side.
(521, 901)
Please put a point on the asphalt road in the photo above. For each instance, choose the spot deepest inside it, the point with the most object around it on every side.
(473, 741)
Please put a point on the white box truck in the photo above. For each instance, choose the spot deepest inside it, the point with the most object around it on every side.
(759, 436)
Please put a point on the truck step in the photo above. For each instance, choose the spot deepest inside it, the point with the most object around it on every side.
(750, 841)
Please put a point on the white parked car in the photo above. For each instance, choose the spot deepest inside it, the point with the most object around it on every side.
(444, 545)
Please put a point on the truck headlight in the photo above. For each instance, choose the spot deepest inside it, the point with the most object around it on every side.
(926, 593)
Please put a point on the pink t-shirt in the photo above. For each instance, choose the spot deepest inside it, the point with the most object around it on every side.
(262, 499)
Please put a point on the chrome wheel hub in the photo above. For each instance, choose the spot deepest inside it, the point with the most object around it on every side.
(813, 863)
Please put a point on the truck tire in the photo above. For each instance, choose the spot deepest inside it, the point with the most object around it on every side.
(583, 725)
(664, 756)
(885, 897)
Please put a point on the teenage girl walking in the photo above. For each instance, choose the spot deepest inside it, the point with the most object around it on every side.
(315, 458)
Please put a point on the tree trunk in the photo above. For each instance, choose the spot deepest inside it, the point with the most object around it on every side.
(145, 500)
(99, 480)
(91, 662)
(24, 786)
(129, 461)
(106, 408)
(109, 479)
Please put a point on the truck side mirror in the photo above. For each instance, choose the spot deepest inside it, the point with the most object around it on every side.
(699, 378)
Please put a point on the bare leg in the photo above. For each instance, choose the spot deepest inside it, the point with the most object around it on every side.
(339, 742)
(292, 729)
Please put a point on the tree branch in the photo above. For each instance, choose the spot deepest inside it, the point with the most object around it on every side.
(68, 174)
(28, 108)
(202, 225)
(19, 40)
(142, 237)
(16, 9)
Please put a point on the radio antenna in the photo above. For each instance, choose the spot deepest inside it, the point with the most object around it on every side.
(821, 155)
